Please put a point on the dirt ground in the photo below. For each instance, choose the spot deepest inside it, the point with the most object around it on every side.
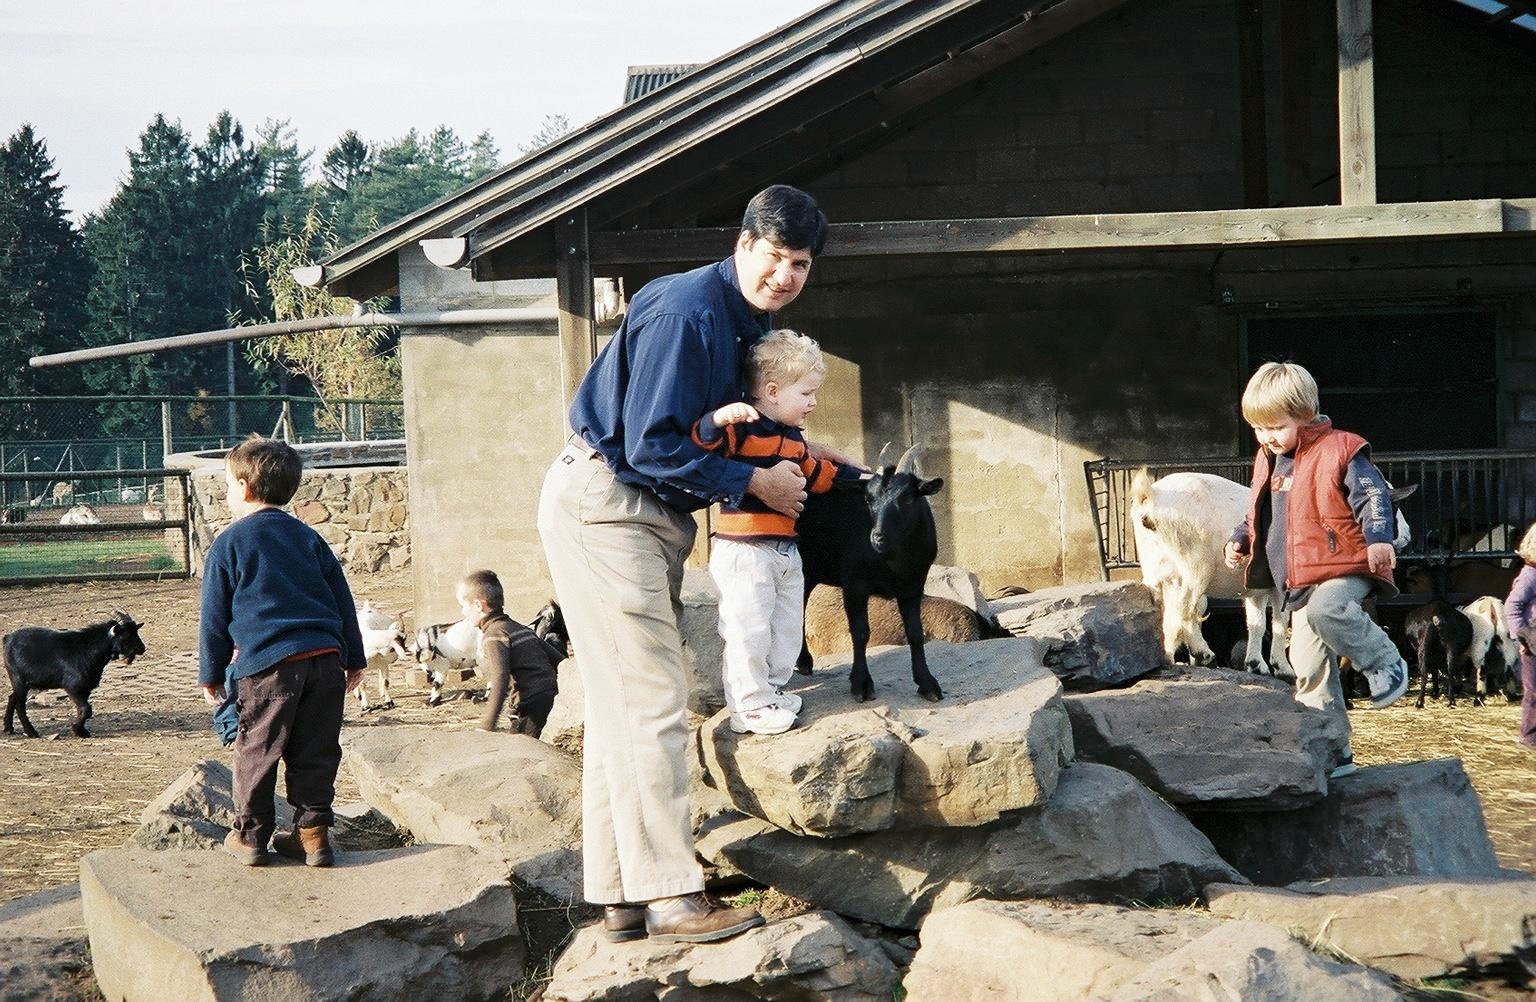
(62, 797)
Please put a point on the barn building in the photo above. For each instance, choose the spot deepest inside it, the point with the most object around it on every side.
(1063, 230)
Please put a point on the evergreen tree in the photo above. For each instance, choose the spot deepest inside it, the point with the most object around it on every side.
(483, 156)
(552, 128)
(282, 181)
(407, 174)
(43, 278)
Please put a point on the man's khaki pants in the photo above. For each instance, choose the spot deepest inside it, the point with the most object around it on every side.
(616, 554)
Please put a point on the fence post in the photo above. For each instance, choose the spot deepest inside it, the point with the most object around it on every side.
(165, 430)
(287, 421)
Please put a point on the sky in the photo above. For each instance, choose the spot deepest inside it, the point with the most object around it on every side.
(90, 76)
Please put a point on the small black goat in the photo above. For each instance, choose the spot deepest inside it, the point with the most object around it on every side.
(878, 541)
(72, 660)
(1440, 629)
(549, 626)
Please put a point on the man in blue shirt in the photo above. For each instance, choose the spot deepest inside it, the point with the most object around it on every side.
(615, 519)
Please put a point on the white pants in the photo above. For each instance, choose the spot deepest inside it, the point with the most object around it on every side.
(1332, 623)
(762, 617)
(616, 554)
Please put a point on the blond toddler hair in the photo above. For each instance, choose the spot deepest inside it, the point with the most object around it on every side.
(1278, 391)
(784, 357)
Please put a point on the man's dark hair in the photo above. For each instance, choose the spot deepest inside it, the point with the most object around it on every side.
(788, 217)
(485, 586)
(270, 468)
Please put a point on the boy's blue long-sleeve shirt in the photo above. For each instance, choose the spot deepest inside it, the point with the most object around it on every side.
(272, 588)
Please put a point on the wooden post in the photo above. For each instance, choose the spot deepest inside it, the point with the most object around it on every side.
(165, 430)
(578, 324)
(1357, 105)
(1255, 137)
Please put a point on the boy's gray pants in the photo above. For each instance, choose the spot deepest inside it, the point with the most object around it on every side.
(1332, 623)
(616, 554)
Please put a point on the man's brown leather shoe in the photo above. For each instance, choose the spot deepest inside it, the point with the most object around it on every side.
(693, 919)
(622, 923)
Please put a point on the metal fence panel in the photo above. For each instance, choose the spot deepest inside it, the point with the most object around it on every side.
(95, 524)
(1467, 505)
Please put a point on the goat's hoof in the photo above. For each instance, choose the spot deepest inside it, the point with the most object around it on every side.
(81, 732)
(1257, 667)
(931, 695)
(802, 669)
(434, 699)
(1202, 660)
(863, 693)
(387, 706)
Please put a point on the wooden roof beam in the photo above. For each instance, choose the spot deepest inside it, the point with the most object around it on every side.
(1150, 230)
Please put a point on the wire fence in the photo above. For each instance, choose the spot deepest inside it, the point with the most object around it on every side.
(50, 438)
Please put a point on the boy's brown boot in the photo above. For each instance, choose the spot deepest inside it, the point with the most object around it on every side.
(248, 854)
(312, 845)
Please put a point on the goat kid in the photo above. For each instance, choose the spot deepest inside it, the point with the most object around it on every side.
(880, 543)
(1438, 632)
(549, 626)
(383, 636)
(73, 660)
(80, 514)
(446, 646)
(1493, 652)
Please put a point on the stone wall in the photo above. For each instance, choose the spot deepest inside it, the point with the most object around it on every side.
(362, 512)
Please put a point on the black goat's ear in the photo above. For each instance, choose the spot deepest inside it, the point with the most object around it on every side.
(930, 486)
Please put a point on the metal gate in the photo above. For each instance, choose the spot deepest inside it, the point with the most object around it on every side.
(1469, 506)
(94, 525)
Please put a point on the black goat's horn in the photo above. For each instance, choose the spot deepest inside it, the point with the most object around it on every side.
(882, 464)
(908, 462)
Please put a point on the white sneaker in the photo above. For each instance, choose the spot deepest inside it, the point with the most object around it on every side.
(768, 719)
(787, 700)
(1387, 684)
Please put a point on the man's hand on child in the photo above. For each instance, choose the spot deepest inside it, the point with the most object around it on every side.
(737, 413)
(354, 678)
(213, 695)
(1381, 557)
(780, 487)
(1233, 554)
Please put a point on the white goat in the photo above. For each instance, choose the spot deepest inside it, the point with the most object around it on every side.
(1489, 631)
(446, 645)
(1182, 523)
(383, 635)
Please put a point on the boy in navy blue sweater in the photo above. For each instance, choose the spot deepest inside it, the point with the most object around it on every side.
(278, 616)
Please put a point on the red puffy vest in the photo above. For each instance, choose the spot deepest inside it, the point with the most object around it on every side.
(1323, 540)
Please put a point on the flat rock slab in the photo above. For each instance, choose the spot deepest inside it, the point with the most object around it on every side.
(1220, 739)
(1095, 636)
(196, 811)
(1038, 952)
(995, 743)
(1406, 819)
(43, 946)
(703, 650)
(1102, 836)
(1413, 927)
(420, 922)
(509, 794)
(1253, 960)
(564, 729)
(812, 956)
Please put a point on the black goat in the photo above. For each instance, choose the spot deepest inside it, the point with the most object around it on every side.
(549, 626)
(72, 660)
(1439, 628)
(878, 541)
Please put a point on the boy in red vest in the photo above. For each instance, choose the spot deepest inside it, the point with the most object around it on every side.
(1320, 525)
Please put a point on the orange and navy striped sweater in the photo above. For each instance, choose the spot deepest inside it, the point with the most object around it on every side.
(764, 443)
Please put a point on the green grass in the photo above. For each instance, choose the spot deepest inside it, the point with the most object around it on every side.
(85, 556)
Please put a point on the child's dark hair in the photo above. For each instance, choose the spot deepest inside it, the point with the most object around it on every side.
(270, 468)
(485, 586)
(788, 217)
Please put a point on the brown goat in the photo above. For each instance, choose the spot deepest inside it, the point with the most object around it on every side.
(826, 625)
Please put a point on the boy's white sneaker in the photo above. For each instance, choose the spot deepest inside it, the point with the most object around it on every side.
(768, 719)
(1387, 684)
(787, 700)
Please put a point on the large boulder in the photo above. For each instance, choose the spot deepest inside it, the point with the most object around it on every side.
(1216, 738)
(1102, 836)
(810, 957)
(564, 728)
(1413, 927)
(959, 585)
(42, 946)
(703, 650)
(427, 921)
(1412, 818)
(826, 622)
(995, 743)
(1032, 951)
(510, 794)
(198, 808)
(1253, 960)
(1096, 635)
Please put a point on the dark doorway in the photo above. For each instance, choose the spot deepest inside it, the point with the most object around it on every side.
(1405, 381)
